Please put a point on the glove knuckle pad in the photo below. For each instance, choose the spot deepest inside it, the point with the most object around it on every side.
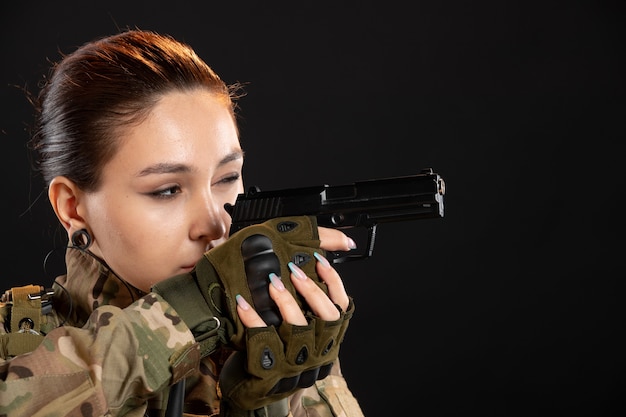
(259, 261)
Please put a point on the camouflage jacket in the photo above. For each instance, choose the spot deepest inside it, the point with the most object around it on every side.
(103, 348)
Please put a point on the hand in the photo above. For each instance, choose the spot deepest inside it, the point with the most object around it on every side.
(321, 304)
(308, 309)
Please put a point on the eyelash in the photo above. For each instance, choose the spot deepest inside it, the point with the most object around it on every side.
(230, 179)
(166, 193)
(172, 191)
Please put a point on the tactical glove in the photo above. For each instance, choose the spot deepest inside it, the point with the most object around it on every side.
(281, 361)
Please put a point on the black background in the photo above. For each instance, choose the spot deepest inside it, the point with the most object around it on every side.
(510, 305)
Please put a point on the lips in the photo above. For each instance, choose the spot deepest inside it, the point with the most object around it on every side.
(187, 269)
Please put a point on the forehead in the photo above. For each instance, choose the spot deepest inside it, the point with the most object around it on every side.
(192, 127)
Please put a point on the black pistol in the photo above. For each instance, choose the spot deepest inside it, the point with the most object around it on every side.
(361, 205)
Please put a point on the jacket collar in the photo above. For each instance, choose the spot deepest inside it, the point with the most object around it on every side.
(90, 283)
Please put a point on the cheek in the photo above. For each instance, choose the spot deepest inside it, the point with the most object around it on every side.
(129, 223)
(138, 245)
(145, 236)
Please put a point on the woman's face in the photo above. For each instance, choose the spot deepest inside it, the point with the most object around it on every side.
(161, 202)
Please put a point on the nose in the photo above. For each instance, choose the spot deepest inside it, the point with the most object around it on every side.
(210, 221)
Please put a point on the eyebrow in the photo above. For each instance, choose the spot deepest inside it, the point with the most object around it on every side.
(169, 168)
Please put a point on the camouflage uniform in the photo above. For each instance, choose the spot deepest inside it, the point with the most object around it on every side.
(110, 350)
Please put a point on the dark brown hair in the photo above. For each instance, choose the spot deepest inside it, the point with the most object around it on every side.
(103, 86)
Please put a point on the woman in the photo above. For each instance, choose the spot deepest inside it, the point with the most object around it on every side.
(138, 145)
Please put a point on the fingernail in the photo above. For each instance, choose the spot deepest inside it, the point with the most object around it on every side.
(296, 271)
(277, 282)
(241, 302)
(351, 244)
(322, 260)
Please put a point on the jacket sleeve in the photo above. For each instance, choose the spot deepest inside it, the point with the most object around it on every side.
(329, 397)
(119, 359)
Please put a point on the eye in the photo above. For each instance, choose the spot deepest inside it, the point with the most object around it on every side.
(230, 179)
(168, 192)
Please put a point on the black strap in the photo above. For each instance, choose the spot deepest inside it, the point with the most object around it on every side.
(176, 400)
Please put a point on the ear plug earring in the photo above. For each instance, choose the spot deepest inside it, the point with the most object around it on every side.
(81, 239)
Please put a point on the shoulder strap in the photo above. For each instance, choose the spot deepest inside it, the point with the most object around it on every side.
(25, 333)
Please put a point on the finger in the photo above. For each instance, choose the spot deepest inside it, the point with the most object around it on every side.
(336, 288)
(289, 308)
(315, 297)
(333, 239)
(249, 317)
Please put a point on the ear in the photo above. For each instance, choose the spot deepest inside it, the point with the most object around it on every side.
(64, 196)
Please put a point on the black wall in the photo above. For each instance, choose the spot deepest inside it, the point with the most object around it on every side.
(513, 302)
